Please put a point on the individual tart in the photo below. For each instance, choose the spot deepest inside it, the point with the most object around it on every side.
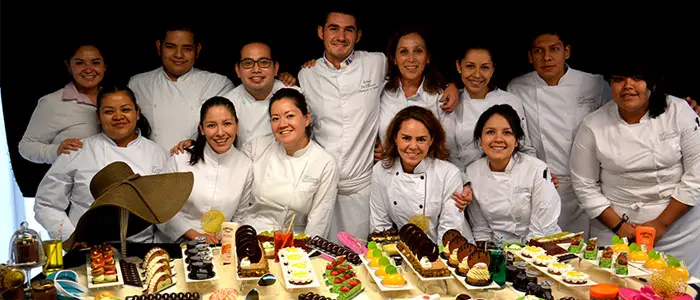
(637, 254)
(478, 275)
(463, 267)
(558, 268)
(394, 280)
(576, 246)
(621, 267)
(591, 252)
(98, 274)
(453, 246)
(655, 262)
(575, 277)
(381, 271)
(543, 260)
(300, 278)
(110, 276)
(269, 250)
(531, 251)
(478, 256)
(606, 258)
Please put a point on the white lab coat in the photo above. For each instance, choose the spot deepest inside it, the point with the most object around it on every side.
(459, 126)
(304, 184)
(345, 109)
(55, 119)
(397, 196)
(637, 168)
(67, 183)
(222, 182)
(172, 107)
(392, 102)
(253, 115)
(518, 204)
(553, 114)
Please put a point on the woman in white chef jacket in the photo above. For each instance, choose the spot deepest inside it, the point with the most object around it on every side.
(61, 119)
(411, 78)
(514, 197)
(292, 174)
(476, 68)
(414, 178)
(64, 193)
(636, 161)
(223, 176)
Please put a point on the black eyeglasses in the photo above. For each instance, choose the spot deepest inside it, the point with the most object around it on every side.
(248, 63)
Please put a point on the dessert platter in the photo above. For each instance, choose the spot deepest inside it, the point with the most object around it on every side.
(547, 262)
(469, 265)
(250, 258)
(334, 250)
(157, 272)
(341, 279)
(383, 271)
(297, 270)
(103, 269)
(198, 262)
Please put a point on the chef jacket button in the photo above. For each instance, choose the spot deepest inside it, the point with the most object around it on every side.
(155, 105)
(250, 203)
(394, 202)
(420, 206)
(397, 173)
(422, 177)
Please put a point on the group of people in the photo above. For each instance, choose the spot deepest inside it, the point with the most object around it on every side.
(369, 140)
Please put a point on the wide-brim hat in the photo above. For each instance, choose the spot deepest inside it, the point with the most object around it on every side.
(149, 199)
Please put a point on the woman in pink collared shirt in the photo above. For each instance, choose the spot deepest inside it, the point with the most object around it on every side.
(62, 118)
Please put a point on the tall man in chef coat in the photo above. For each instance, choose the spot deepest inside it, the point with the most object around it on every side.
(171, 95)
(343, 90)
(555, 98)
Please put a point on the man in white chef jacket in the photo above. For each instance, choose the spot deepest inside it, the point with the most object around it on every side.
(555, 98)
(343, 90)
(257, 69)
(171, 95)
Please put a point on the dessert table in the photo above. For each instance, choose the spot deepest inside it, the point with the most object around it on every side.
(448, 289)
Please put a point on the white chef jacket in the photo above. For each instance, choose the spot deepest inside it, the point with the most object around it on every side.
(345, 110)
(553, 114)
(397, 196)
(67, 183)
(57, 116)
(637, 168)
(518, 204)
(304, 184)
(253, 115)
(392, 102)
(172, 107)
(459, 126)
(222, 182)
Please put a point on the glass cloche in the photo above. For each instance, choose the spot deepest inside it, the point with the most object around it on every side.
(26, 249)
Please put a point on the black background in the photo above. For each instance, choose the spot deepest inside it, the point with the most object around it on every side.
(34, 38)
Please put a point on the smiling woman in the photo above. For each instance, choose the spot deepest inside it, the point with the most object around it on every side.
(62, 118)
(414, 178)
(514, 198)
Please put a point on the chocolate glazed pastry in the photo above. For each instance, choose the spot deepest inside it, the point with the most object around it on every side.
(249, 249)
(428, 249)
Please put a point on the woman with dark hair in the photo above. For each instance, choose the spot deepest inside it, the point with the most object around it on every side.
(414, 177)
(514, 197)
(62, 118)
(293, 175)
(64, 193)
(223, 175)
(636, 161)
(411, 78)
(476, 67)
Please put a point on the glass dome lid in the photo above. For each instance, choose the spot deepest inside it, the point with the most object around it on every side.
(26, 249)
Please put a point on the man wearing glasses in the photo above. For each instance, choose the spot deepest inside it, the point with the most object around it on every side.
(257, 70)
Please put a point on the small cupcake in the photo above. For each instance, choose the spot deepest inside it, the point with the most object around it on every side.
(559, 268)
(543, 260)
